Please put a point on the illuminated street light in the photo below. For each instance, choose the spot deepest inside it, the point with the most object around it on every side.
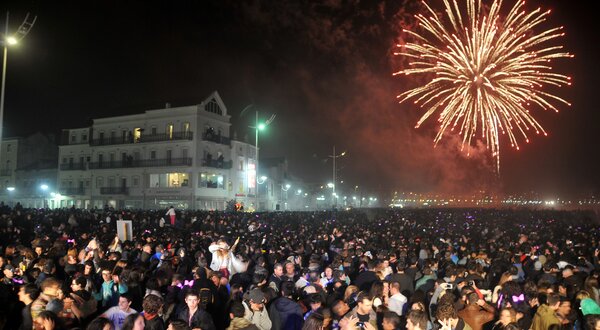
(334, 156)
(257, 127)
(44, 187)
(11, 40)
(10, 188)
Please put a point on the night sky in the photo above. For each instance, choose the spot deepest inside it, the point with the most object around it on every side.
(324, 67)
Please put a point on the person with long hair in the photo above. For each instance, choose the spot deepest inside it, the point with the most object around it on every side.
(133, 322)
(506, 316)
(223, 258)
(314, 322)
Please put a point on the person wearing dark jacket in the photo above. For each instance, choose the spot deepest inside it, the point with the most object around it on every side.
(152, 305)
(193, 315)
(284, 312)
(27, 294)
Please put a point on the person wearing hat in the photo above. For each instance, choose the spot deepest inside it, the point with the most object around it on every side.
(255, 310)
(589, 306)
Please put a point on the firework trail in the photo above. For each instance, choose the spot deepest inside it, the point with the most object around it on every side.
(485, 71)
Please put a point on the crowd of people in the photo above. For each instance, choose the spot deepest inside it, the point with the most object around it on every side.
(419, 269)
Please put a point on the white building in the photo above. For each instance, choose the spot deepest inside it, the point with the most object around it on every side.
(180, 156)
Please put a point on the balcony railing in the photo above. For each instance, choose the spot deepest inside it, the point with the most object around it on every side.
(130, 163)
(216, 163)
(73, 167)
(211, 136)
(144, 138)
(72, 191)
(114, 191)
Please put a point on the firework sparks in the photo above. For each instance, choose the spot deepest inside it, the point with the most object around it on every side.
(485, 71)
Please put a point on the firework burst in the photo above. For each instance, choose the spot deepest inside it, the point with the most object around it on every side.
(485, 70)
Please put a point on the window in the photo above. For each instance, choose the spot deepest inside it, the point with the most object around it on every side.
(8, 147)
(136, 181)
(153, 130)
(111, 181)
(186, 127)
(73, 138)
(84, 137)
(137, 134)
(184, 153)
(241, 163)
(211, 180)
(213, 107)
(153, 154)
(170, 131)
(99, 182)
(169, 180)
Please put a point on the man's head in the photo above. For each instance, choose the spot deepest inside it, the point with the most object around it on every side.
(192, 299)
(340, 308)
(152, 304)
(365, 303)
(28, 293)
(416, 320)
(564, 307)
(178, 325)
(78, 283)
(391, 321)
(50, 287)
(237, 310)
(287, 289)
(395, 288)
(9, 271)
(446, 312)
(106, 275)
(553, 300)
(278, 270)
(257, 299)
(124, 302)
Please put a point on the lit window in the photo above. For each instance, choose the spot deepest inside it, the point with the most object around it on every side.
(170, 131)
(211, 180)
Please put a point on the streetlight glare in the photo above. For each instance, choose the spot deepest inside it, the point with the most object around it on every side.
(288, 186)
(261, 126)
(44, 187)
(10, 188)
(11, 40)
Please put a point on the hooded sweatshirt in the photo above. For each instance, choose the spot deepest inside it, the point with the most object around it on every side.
(285, 314)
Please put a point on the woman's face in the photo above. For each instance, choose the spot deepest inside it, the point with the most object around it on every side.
(505, 317)
(139, 323)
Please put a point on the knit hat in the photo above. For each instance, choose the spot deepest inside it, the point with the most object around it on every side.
(589, 306)
(256, 296)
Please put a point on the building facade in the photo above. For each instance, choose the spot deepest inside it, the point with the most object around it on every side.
(28, 170)
(179, 156)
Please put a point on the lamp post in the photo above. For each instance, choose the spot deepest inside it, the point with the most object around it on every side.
(334, 156)
(257, 127)
(9, 40)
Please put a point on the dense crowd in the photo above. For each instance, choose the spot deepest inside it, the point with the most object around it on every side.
(422, 269)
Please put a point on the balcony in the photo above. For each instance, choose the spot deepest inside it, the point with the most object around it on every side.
(144, 138)
(114, 191)
(216, 163)
(73, 167)
(71, 191)
(132, 163)
(213, 137)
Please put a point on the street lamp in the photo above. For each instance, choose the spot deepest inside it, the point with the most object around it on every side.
(10, 40)
(334, 156)
(257, 127)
